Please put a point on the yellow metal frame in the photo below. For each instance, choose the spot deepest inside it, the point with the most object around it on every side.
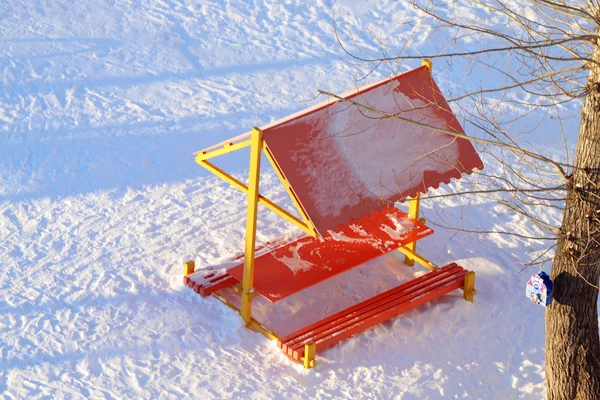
(410, 250)
(253, 323)
(261, 199)
(228, 148)
(414, 205)
(250, 248)
(189, 268)
(305, 224)
(257, 147)
(413, 256)
(469, 286)
(427, 63)
(310, 228)
(310, 351)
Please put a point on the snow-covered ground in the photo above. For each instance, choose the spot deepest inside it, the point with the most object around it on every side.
(102, 105)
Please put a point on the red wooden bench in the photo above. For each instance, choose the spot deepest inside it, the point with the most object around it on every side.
(370, 312)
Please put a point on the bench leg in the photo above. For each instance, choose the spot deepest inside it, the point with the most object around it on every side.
(469, 286)
(310, 350)
(189, 268)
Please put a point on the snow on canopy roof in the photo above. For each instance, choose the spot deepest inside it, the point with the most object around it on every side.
(343, 161)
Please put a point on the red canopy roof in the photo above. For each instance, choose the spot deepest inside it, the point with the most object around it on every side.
(344, 161)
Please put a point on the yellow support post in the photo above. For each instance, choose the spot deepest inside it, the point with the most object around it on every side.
(413, 212)
(310, 350)
(253, 186)
(189, 268)
(469, 286)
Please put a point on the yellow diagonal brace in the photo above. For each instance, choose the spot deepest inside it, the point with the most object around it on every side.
(417, 257)
(312, 231)
(261, 199)
(264, 330)
(249, 250)
(228, 148)
(413, 212)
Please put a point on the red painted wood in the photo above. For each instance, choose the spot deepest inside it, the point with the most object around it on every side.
(377, 303)
(356, 308)
(276, 278)
(376, 319)
(336, 333)
(222, 283)
(343, 165)
(373, 311)
(209, 280)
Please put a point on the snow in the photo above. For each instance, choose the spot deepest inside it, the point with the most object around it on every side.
(399, 229)
(101, 108)
(294, 262)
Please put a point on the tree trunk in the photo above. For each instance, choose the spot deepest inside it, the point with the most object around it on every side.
(572, 338)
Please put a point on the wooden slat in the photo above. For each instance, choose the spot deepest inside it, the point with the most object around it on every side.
(222, 283)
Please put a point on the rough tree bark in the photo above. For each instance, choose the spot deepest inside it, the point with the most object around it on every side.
(572, 337)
